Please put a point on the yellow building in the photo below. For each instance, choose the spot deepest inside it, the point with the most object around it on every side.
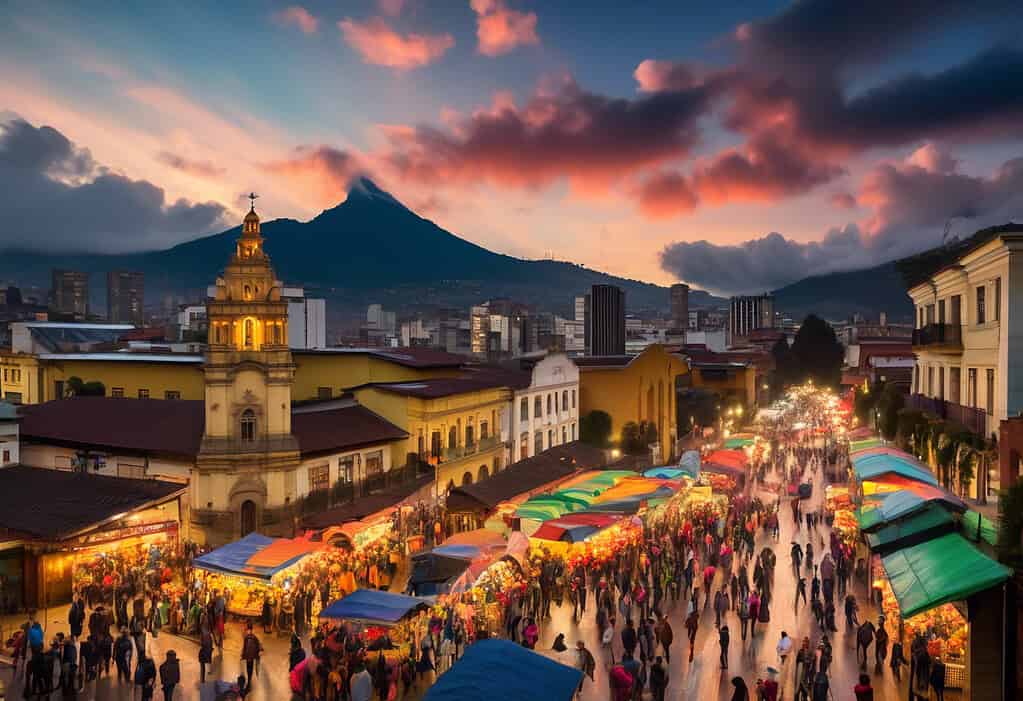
(734, 383)
(634, 388)
(454, 424)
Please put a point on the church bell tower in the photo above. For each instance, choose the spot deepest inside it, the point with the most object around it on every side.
(248, 457)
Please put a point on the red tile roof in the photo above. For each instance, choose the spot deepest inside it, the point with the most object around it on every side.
(342, 428)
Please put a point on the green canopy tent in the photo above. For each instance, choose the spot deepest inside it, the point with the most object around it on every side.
(977, 528)
(864, 444)
(930, 523)
(877, 465)
(882, 509)
(938, 572)
(738, 442)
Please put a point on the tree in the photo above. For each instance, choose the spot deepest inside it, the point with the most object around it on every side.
(783, 367)
(1010, 519)
(75, 387)
(891, 401)
(632, 438)
(649, 429)
(815, 355)
(595, 428)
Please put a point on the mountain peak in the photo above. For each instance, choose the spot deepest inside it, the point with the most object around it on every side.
(364, 189)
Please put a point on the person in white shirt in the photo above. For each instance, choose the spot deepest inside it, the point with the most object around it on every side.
(784, 646)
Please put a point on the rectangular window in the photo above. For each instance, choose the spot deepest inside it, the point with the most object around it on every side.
(981, 311)
(319, 477)
(537, 407)
(955, 310)
(573, 432)
(537, 443)
(524, 409)
(941, 382)
(550, 438)
(954, 380)
(990, 391)
(346, 469)
(573, 399)
(941, 311)
(564, 400)
(549, 403)
(131, 470)
(971, 387)
(930, 313)
(470, 439)
(117, 391)
(484, 430)
(998, 299)
(7, 457)
(930, 381)
(435, 444)
(564, 434)
(172, 394)
(143, 394)
(916, 379)
(375, 463)
(324, 393)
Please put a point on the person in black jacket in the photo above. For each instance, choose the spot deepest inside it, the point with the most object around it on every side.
(123, 650)
(629, 638)
(170, 675)
(76, 616)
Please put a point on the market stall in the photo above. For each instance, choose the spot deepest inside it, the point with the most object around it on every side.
(387, 622)
(936, 590)
(253, 569)
(500, 670)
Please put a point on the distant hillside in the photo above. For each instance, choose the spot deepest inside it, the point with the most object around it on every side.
(839, 295)
(370, 248)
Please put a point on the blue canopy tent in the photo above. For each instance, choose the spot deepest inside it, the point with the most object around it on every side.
(874, 465)
(233, 559)
(380, 608)
(689, 463)
(500, 670)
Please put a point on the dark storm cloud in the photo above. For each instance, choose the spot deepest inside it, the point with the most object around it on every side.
(763, 264)
(54, 197)
(562, 131)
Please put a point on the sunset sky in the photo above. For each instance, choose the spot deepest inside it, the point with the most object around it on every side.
(737, 146)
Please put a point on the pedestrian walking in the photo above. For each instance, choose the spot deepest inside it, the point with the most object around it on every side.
(822, 687)
(880, 646)
(251, 650)
(170, 675)
(658, 679)
(692, 624)
(145, 676)
(629, 638)
(723, 640)
(898, 659)
(784, 646)
(864, 637)
(863, 690)
(206, 652)
(938, 679)
(665, 636)
(585, 663)
(122, 656)
(740, 690)
(744, 616)
(800, 591)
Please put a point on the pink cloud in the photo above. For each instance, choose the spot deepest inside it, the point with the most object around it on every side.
(300, 17)
(844, 200)
(391, 8)
(323, 170)
(380, 45)
(666, 194)
(500, 28)
(659, 76)
(200, 168)
(562, 131)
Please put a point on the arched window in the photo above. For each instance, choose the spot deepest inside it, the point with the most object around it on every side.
(452, 438)
(483, 473)
(248, 333)
(248, 292)
(248, 425)
(466, 479)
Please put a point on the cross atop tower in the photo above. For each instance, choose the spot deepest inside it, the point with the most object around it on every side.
(252, 199)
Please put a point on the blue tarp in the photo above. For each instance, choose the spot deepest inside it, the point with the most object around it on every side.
(233, 558)
(465, 552)
(690, 463)
(664, 473)
(500, 670)
(373, 606)
(875, 465)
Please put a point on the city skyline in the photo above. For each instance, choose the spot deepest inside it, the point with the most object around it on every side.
(673, 153)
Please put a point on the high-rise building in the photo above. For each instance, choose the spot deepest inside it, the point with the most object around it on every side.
(479, 329)
(125, 297)
(679, 307)
(746, 314)
(69, 293)
(605, 320)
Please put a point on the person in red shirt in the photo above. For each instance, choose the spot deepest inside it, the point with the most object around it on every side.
(864, 691)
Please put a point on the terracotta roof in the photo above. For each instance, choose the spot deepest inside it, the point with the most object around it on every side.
(342, 428)
(552, 465)
(175, 426)
(603, 361)
(166, 426)
(54, 505)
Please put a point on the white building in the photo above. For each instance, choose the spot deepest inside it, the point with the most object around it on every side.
(8, 435)
(574, 333)
(546, 412)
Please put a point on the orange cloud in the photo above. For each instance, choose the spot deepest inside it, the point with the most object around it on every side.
(500, 29)
(324, 171)
(378, 44)
(666, 194)
(300, 17)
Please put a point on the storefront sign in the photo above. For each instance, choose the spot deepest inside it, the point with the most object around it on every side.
(113, 534)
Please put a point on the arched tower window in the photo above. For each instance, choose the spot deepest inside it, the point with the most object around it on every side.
(249, 343)
(248, 293)
(248, 425)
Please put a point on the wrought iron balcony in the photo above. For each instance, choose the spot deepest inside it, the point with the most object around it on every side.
(941, 337)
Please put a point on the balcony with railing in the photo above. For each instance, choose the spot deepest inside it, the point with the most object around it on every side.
(939, 337)
(464, 451)
(969, 417)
